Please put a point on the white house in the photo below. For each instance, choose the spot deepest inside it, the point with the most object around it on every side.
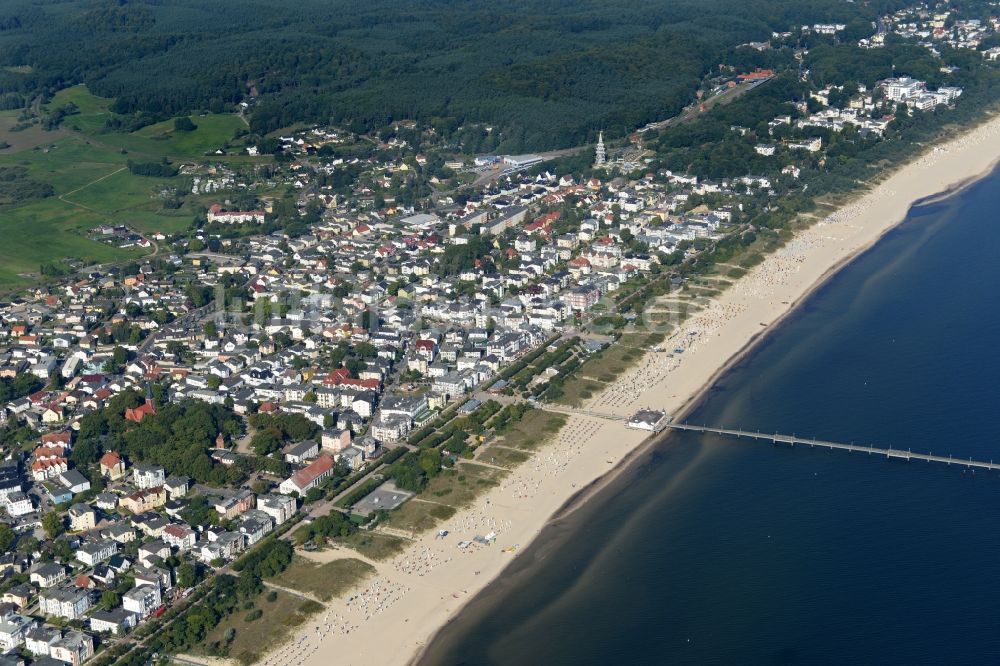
(13, 630)
(225, 546)
(180, 537)
(301, 451)
(116, 622)
(46, 574)
(148, 476)
(142, 599)
(19, 504)
(70, 603)
(95, 552)
(279, 507)
(39, 640)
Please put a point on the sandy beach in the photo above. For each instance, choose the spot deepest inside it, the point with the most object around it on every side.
(398, 610)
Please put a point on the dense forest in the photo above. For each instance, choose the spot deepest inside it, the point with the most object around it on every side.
(541, 73)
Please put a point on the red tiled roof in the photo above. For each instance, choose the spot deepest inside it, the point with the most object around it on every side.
(50, 451)
(177, 531)
(57, 437)
(140, 412)
(40, 465)
(756, 74)
(141, 495)
(307, 475)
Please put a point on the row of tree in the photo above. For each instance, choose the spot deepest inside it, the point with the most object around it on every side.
(538, 72)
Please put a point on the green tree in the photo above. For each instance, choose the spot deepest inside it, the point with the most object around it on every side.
(199, 512)
(187, 575)
(175, 348)
(355, 366)
(27, 544)
(86, 452)
(6, 537)
(62, 550)
(53, 524)
(266, 442)
(430, 461)
(110, 599)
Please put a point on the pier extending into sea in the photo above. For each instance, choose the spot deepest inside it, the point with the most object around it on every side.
(794, 440)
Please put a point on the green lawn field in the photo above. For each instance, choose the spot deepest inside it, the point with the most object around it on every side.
(93, 186)
(87, 167)
(46, 231)
(213, 131)
(93, 110)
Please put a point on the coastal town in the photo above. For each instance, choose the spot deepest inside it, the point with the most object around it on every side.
(341, 329)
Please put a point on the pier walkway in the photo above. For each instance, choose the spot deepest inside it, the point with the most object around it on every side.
(793, 440)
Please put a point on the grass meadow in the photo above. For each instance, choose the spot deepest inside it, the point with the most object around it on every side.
(87, 168)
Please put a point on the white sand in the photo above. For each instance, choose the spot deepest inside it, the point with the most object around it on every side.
(413, 595)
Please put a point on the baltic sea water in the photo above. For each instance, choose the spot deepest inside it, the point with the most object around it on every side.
(721, 551)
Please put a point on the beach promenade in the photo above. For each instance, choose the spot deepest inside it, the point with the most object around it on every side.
(393, 615)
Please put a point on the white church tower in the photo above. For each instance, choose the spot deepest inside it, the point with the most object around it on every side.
(600, 158)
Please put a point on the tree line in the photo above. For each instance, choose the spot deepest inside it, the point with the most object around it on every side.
(541, 73)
